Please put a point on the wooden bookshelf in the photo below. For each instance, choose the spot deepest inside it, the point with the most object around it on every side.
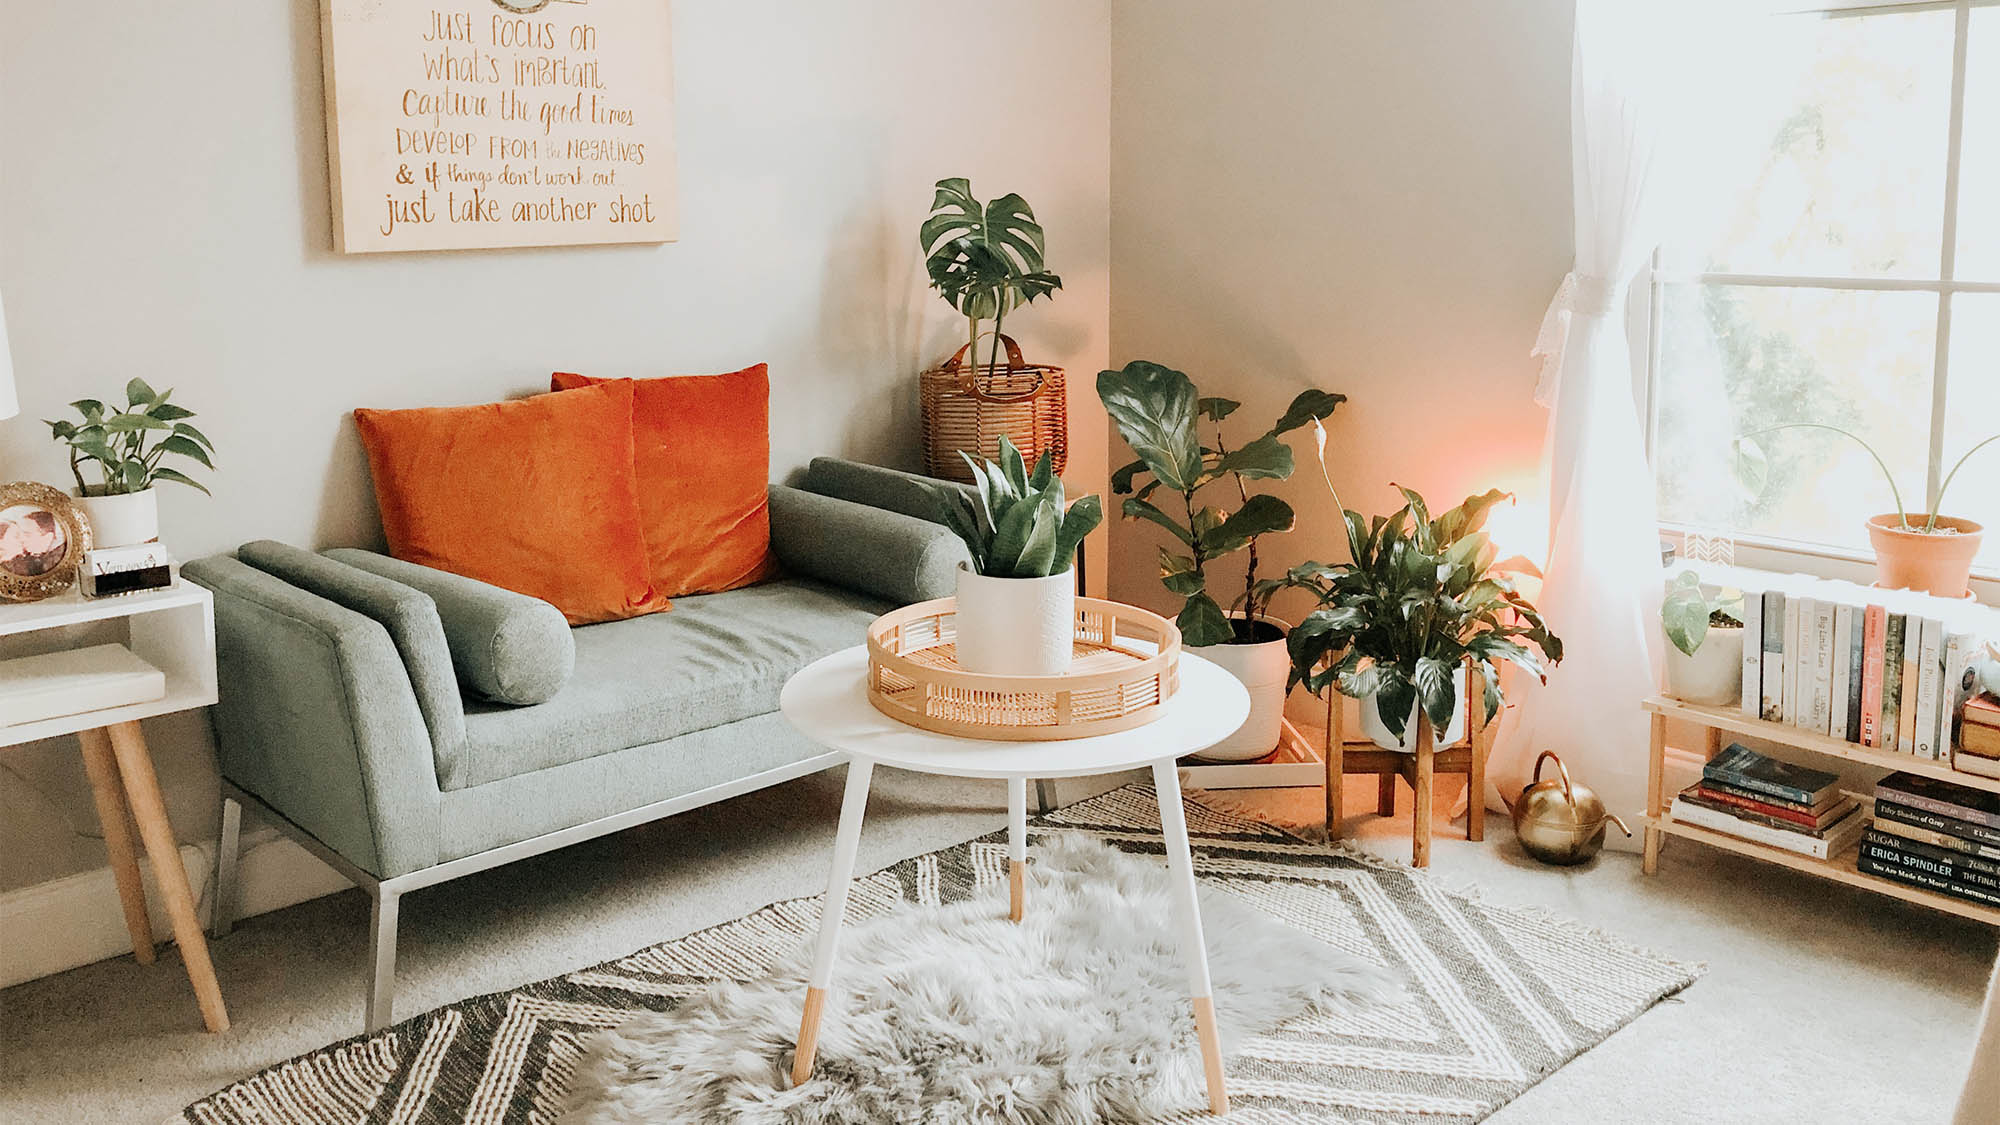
(1841, 867)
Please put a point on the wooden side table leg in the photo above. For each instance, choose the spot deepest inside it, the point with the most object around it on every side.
(1385, 795)
(142, 787)
(1180, 863)
(1017, 847)
(845, 844)
(1481, 742)
(116, 820)
(1656, 783)
(1336, 766)
(1420, 816)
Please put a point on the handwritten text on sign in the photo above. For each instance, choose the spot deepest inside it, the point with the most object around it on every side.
(460, 124)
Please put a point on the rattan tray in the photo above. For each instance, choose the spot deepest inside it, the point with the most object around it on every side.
(1115, 681)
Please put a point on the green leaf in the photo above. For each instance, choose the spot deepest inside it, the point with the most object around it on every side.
(1154, 409)
(61, 431)
(186, 448)
(1202, 623)
(1310, 406)
(132, 423)
(1260, 515)
(169, 412)
(1012, 528)
(1216, 409)
(1435, 690)
(133, 474)
(1468, 517)
(1121, 481)
(1179, 574)
(957, 511)
(1750, 465)
(1079, 521)
(1267, 458)
(1420, 520)
(1038, 553)
(137, 393)
(1044, 473)
(985, 259)
(179, 477)
(1014, 467)
(1135, 508)
(90, 408)
(1684, 613)
(1394, 700)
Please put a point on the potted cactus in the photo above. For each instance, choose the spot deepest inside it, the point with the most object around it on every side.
(1017, 601)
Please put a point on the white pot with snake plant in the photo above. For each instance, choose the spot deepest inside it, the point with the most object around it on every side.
(126, 448)
(1016, 611)
(1705, 658)
(1158, 412)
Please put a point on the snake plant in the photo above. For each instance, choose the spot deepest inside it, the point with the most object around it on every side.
(1019, 525)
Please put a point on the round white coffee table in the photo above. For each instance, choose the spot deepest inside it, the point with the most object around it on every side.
(828, 702)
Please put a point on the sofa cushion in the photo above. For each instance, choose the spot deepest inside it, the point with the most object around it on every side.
(701, 453)
(716, 659)
(535, 495)
(506, 647)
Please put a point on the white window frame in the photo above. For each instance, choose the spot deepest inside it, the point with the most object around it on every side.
(1778, 553)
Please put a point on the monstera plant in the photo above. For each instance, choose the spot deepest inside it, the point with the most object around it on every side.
(984, 258)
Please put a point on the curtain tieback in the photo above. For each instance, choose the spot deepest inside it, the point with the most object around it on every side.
(1581, 294)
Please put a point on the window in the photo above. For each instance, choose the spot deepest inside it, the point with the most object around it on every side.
(1854, 280)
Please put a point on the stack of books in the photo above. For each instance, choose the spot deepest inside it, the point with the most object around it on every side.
(1888, 669)
(1759, 798)
(1979, 738)
(1936, 835)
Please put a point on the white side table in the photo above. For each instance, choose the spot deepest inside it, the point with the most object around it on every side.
(173, 630)
(828, 702)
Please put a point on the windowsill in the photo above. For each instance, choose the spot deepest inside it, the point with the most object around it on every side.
(1781, 556)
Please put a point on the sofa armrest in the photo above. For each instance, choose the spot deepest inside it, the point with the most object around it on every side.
(890, 555)
(875, 486)
(317, 718)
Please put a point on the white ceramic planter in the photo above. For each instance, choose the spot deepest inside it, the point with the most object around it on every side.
(1713, 675)
(122, 520)
(1016, 626)
(1262, 668)
(1378, 731)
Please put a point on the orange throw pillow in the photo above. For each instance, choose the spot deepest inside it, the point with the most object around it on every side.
(534, 495)
(701, 450)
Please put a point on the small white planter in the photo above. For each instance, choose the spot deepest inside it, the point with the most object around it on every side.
(121, 520)
(1713, 676)
(1262, 667)
(1016, 626)
(1378, 731)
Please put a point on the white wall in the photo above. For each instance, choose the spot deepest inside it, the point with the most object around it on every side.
(1370, 196)
(163, 212)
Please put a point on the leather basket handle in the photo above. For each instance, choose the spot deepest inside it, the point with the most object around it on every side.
(968, 374)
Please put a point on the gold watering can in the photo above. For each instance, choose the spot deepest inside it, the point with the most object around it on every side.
(1560, 822)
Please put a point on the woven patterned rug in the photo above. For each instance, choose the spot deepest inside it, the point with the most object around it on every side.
(1497, 998)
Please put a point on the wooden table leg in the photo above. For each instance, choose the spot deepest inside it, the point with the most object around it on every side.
(1420, 816)
(1017, 847)
(1656, 783)
(142, 788)
(1180, 862)
(116, 820)
(1385, 795)
(1336, 772)
(845, 844)
(1480, 742)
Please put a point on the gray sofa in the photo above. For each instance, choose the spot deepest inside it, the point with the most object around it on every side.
(410, 726)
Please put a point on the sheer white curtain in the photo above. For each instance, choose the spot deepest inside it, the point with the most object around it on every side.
(1647, 103)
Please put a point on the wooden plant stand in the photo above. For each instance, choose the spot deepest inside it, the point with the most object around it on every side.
(1467, 757)
(1841, 868)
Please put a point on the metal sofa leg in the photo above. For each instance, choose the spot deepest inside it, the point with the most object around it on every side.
(222, 912)
(382, 960)
(1045, 796)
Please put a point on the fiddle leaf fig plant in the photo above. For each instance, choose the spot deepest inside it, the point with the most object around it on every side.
(984, 258)
(1158, 412)
(129, 445)
(1687, 612)
(1019, 526)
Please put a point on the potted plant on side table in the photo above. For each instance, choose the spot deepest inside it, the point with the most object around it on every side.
(1705, 664)
(129, 445)
(1156, 409)
(1934, 556)
(1017, 603)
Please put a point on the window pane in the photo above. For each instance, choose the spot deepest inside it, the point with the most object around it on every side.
(1852, 184)
(1738, 359)
(1972, 414)
(1979, 153)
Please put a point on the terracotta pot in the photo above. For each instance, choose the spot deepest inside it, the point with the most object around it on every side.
(1910, 560)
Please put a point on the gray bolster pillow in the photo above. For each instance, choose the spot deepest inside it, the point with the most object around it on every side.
(895, 557)
(506, 647)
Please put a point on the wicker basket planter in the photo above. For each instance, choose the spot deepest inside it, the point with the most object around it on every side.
(967, 405)
(1113, 683)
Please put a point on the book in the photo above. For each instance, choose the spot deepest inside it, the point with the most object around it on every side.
(1930, 681)
(1956, 802)
(1753, 653)
(1979, 728)
(73, 681)
(1871, 864)
(1874, 621)
(1969, 867)
(1819, 676)
(1832, 798)
(1745, 768)
(1950, 826)
(1794, 706)
(1772, 698)
(1834, 840)
(1856, 663)
(1937, 839)
(1977, 766)
(1775, 816)
(1906, 709)
(1892, 682)
(1843, 639)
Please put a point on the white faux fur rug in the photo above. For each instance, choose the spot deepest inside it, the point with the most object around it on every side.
(951, 1013)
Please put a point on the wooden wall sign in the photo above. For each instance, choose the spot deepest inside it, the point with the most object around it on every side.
(465, 124)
